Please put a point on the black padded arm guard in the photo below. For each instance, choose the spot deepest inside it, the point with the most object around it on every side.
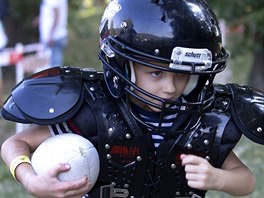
(248, 111)
(47, 97)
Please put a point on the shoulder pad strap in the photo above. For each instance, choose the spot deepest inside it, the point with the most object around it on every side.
(248, 111)
(46, 97)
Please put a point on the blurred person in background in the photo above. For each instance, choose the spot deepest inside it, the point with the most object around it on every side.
(53, 31)
(4, 11)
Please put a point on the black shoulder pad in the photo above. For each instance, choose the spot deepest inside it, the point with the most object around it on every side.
(248, 111)
(47, 97)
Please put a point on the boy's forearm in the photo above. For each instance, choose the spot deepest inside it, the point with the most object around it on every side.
(13, 148)
(238, 181)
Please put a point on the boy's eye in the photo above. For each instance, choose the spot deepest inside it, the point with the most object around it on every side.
(156, 73)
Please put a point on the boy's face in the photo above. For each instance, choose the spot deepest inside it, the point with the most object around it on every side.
(166, 85)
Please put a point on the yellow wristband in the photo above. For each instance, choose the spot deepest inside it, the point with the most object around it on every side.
(17, 161)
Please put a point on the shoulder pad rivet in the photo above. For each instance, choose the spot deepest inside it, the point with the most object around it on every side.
(107, 146)
(177, 193)
(126, 185)
(206, 142)
(190, 193)
(139, 158)
(207, 158)
(189, 146)
(259, 129)
(173, 166)
(128, 136)
(108, 156)
(51, 110)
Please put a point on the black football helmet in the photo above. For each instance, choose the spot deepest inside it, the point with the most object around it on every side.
(182, 33)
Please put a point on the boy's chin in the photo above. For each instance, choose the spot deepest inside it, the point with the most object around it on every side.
(152, 109)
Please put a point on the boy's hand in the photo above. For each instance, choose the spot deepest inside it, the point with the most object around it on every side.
(48, 186)
(200, 174)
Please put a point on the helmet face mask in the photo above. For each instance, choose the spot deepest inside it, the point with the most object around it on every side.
(182, 34)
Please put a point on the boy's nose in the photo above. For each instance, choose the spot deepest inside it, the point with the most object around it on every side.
(170, 85)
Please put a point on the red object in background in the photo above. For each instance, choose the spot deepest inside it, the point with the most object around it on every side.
(15, 57)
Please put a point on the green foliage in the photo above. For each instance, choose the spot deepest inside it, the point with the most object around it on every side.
(83, 35)
(24, 11)
(245, 22)
(239, 10)
(249, 13)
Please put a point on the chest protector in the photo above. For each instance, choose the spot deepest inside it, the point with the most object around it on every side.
(130, 166)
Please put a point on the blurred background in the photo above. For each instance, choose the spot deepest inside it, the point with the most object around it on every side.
(242, 25)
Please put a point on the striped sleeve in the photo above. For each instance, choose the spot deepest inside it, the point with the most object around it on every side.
(60, 128)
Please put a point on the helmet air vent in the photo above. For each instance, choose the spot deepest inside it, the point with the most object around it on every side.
(164, 19)
(156, 1)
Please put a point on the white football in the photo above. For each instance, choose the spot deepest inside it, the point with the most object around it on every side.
(73, 149)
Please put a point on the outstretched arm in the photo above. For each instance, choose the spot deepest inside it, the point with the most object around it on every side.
(54, 25)
(233, 178)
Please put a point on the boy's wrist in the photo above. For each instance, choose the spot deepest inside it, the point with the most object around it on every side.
(16, 162)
